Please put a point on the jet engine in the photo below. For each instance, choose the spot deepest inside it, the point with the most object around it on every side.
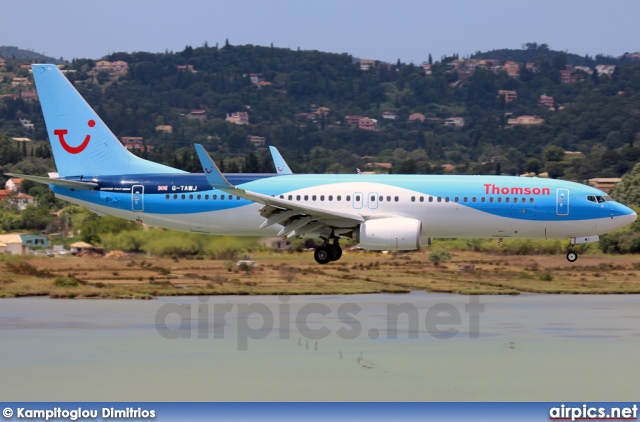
(394, 233)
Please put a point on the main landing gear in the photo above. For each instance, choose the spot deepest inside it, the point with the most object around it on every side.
(328, 252)
(572, 256)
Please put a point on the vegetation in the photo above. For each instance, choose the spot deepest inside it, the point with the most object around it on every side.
(296, 273)
(596, 116)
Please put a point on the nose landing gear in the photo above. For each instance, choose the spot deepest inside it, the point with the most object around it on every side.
(572, 255)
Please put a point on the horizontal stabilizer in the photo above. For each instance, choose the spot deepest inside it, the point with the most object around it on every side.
(70, 184)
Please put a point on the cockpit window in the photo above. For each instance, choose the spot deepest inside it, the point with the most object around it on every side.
(599, 199)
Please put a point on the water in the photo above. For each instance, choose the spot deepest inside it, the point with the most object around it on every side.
(530, 348)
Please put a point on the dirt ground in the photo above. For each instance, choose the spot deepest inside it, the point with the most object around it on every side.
(125, 276)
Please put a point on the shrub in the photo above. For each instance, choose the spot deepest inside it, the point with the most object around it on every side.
(545, 277)
(65, 282)
(438, 255)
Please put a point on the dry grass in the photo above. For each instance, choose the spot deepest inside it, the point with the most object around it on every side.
(286, 273)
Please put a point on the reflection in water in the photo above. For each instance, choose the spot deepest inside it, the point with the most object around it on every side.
(356, 348)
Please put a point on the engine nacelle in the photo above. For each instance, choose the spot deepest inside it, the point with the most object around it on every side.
(394, 233)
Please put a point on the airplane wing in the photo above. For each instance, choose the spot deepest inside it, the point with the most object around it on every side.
(71, 184)
(297, 218)
(281, 166)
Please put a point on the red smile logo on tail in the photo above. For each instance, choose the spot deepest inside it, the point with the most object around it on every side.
(69, 148)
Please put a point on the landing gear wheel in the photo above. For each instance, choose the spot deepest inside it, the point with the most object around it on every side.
(572, 256)
(335, 252)
(322, 255)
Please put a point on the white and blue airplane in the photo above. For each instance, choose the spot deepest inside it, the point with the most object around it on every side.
(381, 212)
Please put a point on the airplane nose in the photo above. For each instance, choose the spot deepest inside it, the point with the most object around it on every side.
(628, 218)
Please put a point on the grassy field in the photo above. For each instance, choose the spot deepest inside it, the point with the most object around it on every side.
(297, 273)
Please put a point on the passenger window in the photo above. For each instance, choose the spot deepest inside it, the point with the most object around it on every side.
(483, 199)
(281, 196)
(190, 196)
(457, 199)
(348, 198)
(199, 197)
(306, 197)
(515, 200)
(168, 196)
(175, 196)
(206, 197)
(322, 197)
(183, 196)
(396, 199)
(431, 199)
(339, 198)
(297, 197)
(413, 199)
(214, 197)
(357, 198)
(465, 199)
(446, 199)
(290, 197)
(473, 199)
(422, 199)
(237, 198)
(531, 200)
(381, 198)
(330, 198)
(439, 199)
(388, 199)
(524, 200)
(499, 200)
(491, 199)
(507, 199)
(222, 197)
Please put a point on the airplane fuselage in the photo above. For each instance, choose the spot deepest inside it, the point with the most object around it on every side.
(447, 206)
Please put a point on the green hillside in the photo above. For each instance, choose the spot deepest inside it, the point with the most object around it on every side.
(594, 115)
(17, 53)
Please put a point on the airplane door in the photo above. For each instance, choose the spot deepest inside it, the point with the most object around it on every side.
(358, 200)
(372, 200)
(562, 201)
(137, 198)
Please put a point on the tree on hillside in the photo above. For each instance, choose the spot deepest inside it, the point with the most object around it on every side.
(628, 190)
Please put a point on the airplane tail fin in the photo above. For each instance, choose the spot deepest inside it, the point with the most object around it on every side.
(81, 142)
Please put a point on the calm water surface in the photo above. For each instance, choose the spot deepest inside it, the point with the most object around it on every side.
(530, 347)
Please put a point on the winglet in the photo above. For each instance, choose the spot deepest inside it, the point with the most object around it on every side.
(281, 166)
(211, 171)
